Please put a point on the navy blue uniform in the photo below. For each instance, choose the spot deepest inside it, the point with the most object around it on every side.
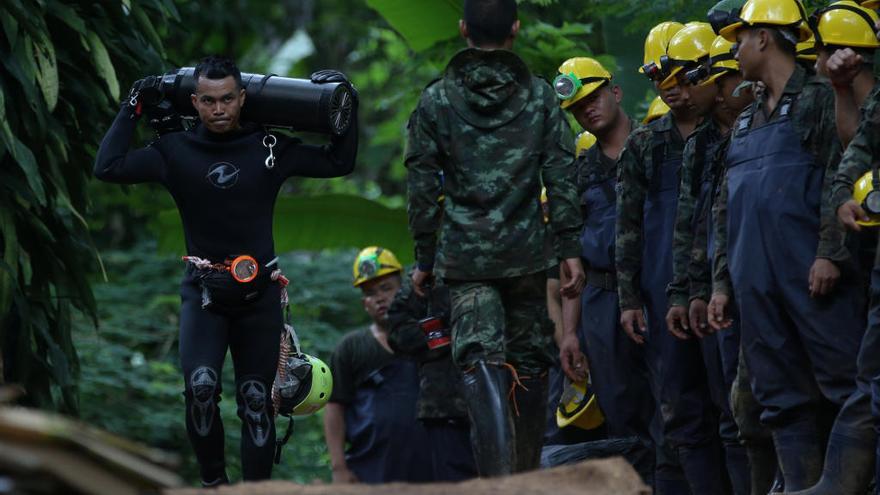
(798, 348)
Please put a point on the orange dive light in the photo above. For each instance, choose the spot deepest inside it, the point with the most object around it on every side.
(244, 269)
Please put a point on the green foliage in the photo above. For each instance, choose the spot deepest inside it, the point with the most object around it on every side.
(131, 382)
(318, 222)
(62, 61)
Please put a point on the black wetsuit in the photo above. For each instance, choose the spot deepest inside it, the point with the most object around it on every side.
(226, 197)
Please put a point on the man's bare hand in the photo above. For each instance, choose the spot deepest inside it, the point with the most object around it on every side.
(677, 322)
(824, 275)
(843, 66)
(420, 282)
(718, 312)
(633, 323)
(849, 213)
(573, 277)
(698, 313)
(574, 363)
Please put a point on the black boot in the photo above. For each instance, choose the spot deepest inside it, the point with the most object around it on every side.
(848, 467)
(222, 480)
(492, 435)
(799, 454)
(762, 466)
(778, 486)
(530, 424)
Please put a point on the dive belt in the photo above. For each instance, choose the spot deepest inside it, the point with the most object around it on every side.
(236, 282)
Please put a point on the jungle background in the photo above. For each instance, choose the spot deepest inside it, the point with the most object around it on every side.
(89, 271)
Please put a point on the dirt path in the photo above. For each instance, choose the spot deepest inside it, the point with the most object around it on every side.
(603, 477)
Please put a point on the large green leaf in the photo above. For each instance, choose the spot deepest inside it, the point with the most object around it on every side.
(102, 62)
(318, 222)
(26, 160)
(48, 67)
(421, 22)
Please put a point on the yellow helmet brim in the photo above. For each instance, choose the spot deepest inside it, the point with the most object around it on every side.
(581, 411)
(582, 93)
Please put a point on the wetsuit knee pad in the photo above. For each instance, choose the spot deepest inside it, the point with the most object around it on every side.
(202, 396)
(255, 407)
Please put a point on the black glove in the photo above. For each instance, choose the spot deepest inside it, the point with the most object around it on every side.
(328, 76)
(146, 91)
(331, 76)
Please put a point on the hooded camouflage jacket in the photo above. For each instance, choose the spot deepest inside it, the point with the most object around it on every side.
(486, 135)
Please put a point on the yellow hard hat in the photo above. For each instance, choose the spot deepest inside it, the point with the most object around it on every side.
(868, 199)
(774, 13)
(721, 60)
(578, 77)
(806, 50)
(657, 109)
(870, 4)
(656, 44)
(845, 23)
(374, 262)
(686, 50)
(578, 407)
(585, 141)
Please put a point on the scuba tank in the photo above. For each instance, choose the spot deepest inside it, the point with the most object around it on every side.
(272, 101)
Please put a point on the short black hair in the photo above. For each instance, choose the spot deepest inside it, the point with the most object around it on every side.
(217, 67)
(784, 42)
(489, 21)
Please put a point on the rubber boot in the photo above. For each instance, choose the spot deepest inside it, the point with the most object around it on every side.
(737, 463)
(702, 467)
(492, 435)
(529, 420)
(799, 454)
(762, 467)
(778, 486)
(222, 480)
(848, 468)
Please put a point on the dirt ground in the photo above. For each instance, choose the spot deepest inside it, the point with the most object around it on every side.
(602, 477)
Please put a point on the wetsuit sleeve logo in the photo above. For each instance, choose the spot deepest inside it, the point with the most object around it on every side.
(222, 175)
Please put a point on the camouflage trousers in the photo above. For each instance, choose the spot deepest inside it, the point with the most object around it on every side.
(502, 320)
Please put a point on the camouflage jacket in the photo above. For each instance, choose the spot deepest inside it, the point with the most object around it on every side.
(495, 133)
(635, 168)
(440, 394)
(691, 275)
(812, 114)
(862, 152)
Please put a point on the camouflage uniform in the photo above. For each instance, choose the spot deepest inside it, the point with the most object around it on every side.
(441, 406)
(690, 243)
(646, 202)
(495, 132)
(774, 217)
(439, 380)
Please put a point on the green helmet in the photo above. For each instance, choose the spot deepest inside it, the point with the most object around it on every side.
(303, 383)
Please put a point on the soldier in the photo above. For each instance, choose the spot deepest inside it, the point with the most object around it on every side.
(706, 58)
(646, 203)
(784, 252)
(419, 330)
(618, 368)
(487, 124)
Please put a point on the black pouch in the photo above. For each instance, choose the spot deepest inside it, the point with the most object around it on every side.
(221, 292)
